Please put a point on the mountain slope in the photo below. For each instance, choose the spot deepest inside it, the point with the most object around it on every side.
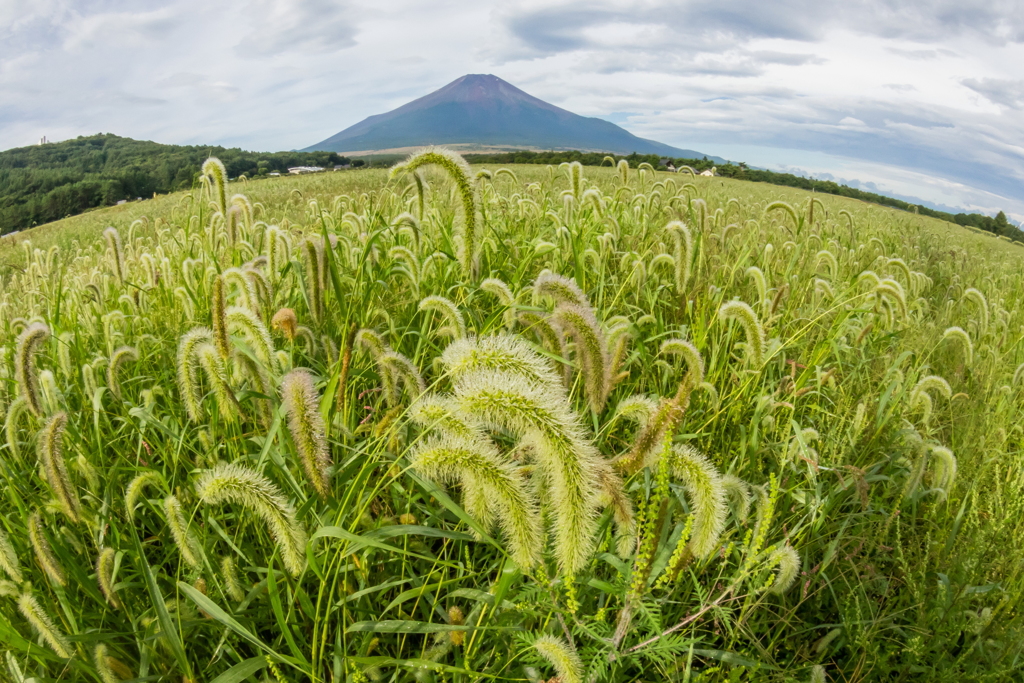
(483, 109)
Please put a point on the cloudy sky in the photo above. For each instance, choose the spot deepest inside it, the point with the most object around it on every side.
(921, 99)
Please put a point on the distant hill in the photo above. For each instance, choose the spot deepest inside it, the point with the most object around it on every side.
(44, 183)
(483, 111)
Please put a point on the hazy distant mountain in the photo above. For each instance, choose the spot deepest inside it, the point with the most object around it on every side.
(481, 109)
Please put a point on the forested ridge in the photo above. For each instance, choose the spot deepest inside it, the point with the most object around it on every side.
(48, 182)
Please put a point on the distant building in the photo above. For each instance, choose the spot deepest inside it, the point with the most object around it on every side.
(299, 170)
(710, 172)
(43, 140)
(275, 174)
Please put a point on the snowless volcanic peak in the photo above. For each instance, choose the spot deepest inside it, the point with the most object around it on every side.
(485, 111)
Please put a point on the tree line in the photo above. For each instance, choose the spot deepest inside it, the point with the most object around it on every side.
(48, 182)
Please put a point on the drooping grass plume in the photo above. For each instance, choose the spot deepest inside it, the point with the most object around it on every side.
(232, 582)
(682, 255)
(214, 170)
(737, 492)
(505, 297)
(757, 275)
(787, 560)
(458, 171)
(243, 321)
(307, 429)
(9, 559)
(286, 321)
(110, 669)
(785, 208)
(456, 325)
(944, 473)
(591, 350)
(50, 450)
(187, 366)
(547, 333)
(133, 492)
(105, 576)
(563, 452)
(215, 371)
(691, 356)
(218, 316)
(748, 320)
(15, 412)
(113, 238)
(44, 626)
(314, 276)
(502, 352)
(612, 494)
(560, 289)
(978, 299)
(474, 462)
(233, 483)
(959, 335)
(184, 538)
(560, 654)
(25, 372)
(43, 551)
(121, 355)
(706, 494)
(401, 368)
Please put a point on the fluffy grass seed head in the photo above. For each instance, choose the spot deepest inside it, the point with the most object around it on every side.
(216, 372)
(456, 325)
(105, 576)
(501, 352)
(787, 559)
(560, 654)
(458, 171)
(477, 464)
(51, 455)
(113, 238)
(944, 472)
(9, 559)
(706, 494)
(581, 325)
(218, 312)
(683, 256)
(232, 582)
(187, 367)
(254, 332)
(498, 288)
(25, 371)
(43, 552)
(121, 355)
(564, 454)
(44, 626)
(186, 541)
(306, 425)
(214, 170)
(748, 320)
(560, 289)
(958, 334)
(690, 355)
(133, 492)
(233, 483)
(110, 669)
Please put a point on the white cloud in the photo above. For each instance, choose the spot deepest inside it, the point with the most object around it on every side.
(904, 95)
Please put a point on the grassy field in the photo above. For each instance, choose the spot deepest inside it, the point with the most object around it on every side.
(452, 424)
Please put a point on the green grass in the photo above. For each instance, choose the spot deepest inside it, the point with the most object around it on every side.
(908, 570)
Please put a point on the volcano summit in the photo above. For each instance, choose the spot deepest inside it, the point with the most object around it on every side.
(481, 111)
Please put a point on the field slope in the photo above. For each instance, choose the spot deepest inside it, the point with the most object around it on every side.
(453, 423)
